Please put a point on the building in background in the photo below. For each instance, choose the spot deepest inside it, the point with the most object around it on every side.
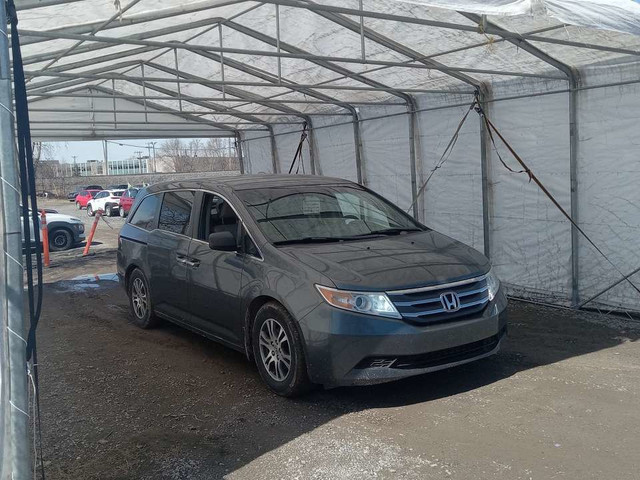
(129, 166)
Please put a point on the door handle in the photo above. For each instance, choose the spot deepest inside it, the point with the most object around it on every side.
(194, 262)
(181, 259)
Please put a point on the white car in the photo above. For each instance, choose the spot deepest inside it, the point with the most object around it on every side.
(65, 231)
(107, 200)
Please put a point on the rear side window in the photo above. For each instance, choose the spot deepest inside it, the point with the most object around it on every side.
(175, 214)
(145, 215)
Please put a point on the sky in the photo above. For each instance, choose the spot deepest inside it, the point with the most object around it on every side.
(92, 150)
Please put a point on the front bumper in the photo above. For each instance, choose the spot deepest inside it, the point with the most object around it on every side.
(78, 233)
(345, 348)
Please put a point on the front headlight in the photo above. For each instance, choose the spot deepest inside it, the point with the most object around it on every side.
(374, 303)
(493, 284)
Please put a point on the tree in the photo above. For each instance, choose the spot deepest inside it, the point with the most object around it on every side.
(176, 156)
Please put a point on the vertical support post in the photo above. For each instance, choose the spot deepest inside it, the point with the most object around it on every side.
(485, 165)
(105, 151)
(315, 168)
(144, 92)
(113, 90)
(224, 94)
(274, 151)
(175, 57)
(239, 152)
(15, 448)
(574, 83)
(362, 177)
(92, 114)
(362, 37)
(411, 109)
(278, 43)
(45, 237)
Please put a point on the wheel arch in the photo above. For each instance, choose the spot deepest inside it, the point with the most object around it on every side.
(252, 309)
(129, 271)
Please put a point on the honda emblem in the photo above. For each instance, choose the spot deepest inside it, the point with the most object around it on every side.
(450, 301)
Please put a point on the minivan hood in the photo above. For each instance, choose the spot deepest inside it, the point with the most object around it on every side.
(392, 263)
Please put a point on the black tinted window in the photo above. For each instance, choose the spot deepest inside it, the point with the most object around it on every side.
(176, 212)
(145, 214)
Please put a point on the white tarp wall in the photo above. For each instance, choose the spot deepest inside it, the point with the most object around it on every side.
(256, 152)
(530, 238)
(335, 147)
(457, 212)
(609, 182)
(385, 151)
(286, 145)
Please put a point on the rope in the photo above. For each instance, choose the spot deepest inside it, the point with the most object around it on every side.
(532, 177)
(445, 155)
(298, 154)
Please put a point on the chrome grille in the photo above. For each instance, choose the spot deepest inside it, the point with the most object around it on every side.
(424, 305)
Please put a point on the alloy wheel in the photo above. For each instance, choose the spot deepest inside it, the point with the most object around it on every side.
(139, 298)
(275, 349)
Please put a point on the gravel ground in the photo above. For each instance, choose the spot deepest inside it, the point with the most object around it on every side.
(559, 401)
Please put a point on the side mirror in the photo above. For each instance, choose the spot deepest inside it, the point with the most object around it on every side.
(223, 241)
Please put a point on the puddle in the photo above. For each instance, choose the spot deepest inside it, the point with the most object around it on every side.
(100, 277)
(83, 283)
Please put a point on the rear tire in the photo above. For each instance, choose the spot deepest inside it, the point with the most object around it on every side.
(140, 301)
(60, 239)
(278, 351)
(107, 210)
(123, 214)
(78, 206)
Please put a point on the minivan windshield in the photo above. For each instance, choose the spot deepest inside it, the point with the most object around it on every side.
(324, 213)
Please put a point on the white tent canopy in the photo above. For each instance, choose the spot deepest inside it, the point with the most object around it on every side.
(382, 86)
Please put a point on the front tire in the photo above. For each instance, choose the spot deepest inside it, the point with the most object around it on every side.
(90, 211)
(140, 301)
(60, 239)
(278, 351)
(78, 206)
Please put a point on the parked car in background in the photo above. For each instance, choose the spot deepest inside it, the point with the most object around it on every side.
(319, 280)
(64, 231)
(127, 200)
(122, 186)
(107, 200)
(71, 196)
(83, 198)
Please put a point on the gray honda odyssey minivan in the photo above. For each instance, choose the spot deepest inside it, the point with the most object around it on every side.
(319, 280)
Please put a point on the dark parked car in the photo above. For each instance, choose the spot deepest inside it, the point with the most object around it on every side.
(319, 280)
(122, 186)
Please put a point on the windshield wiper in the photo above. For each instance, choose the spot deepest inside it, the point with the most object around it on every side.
(311, 240)
(393, 231)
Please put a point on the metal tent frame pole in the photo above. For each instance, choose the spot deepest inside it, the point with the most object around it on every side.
(573, 77)
(14, 419)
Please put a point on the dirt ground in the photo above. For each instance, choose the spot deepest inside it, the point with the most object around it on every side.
(559, 401)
